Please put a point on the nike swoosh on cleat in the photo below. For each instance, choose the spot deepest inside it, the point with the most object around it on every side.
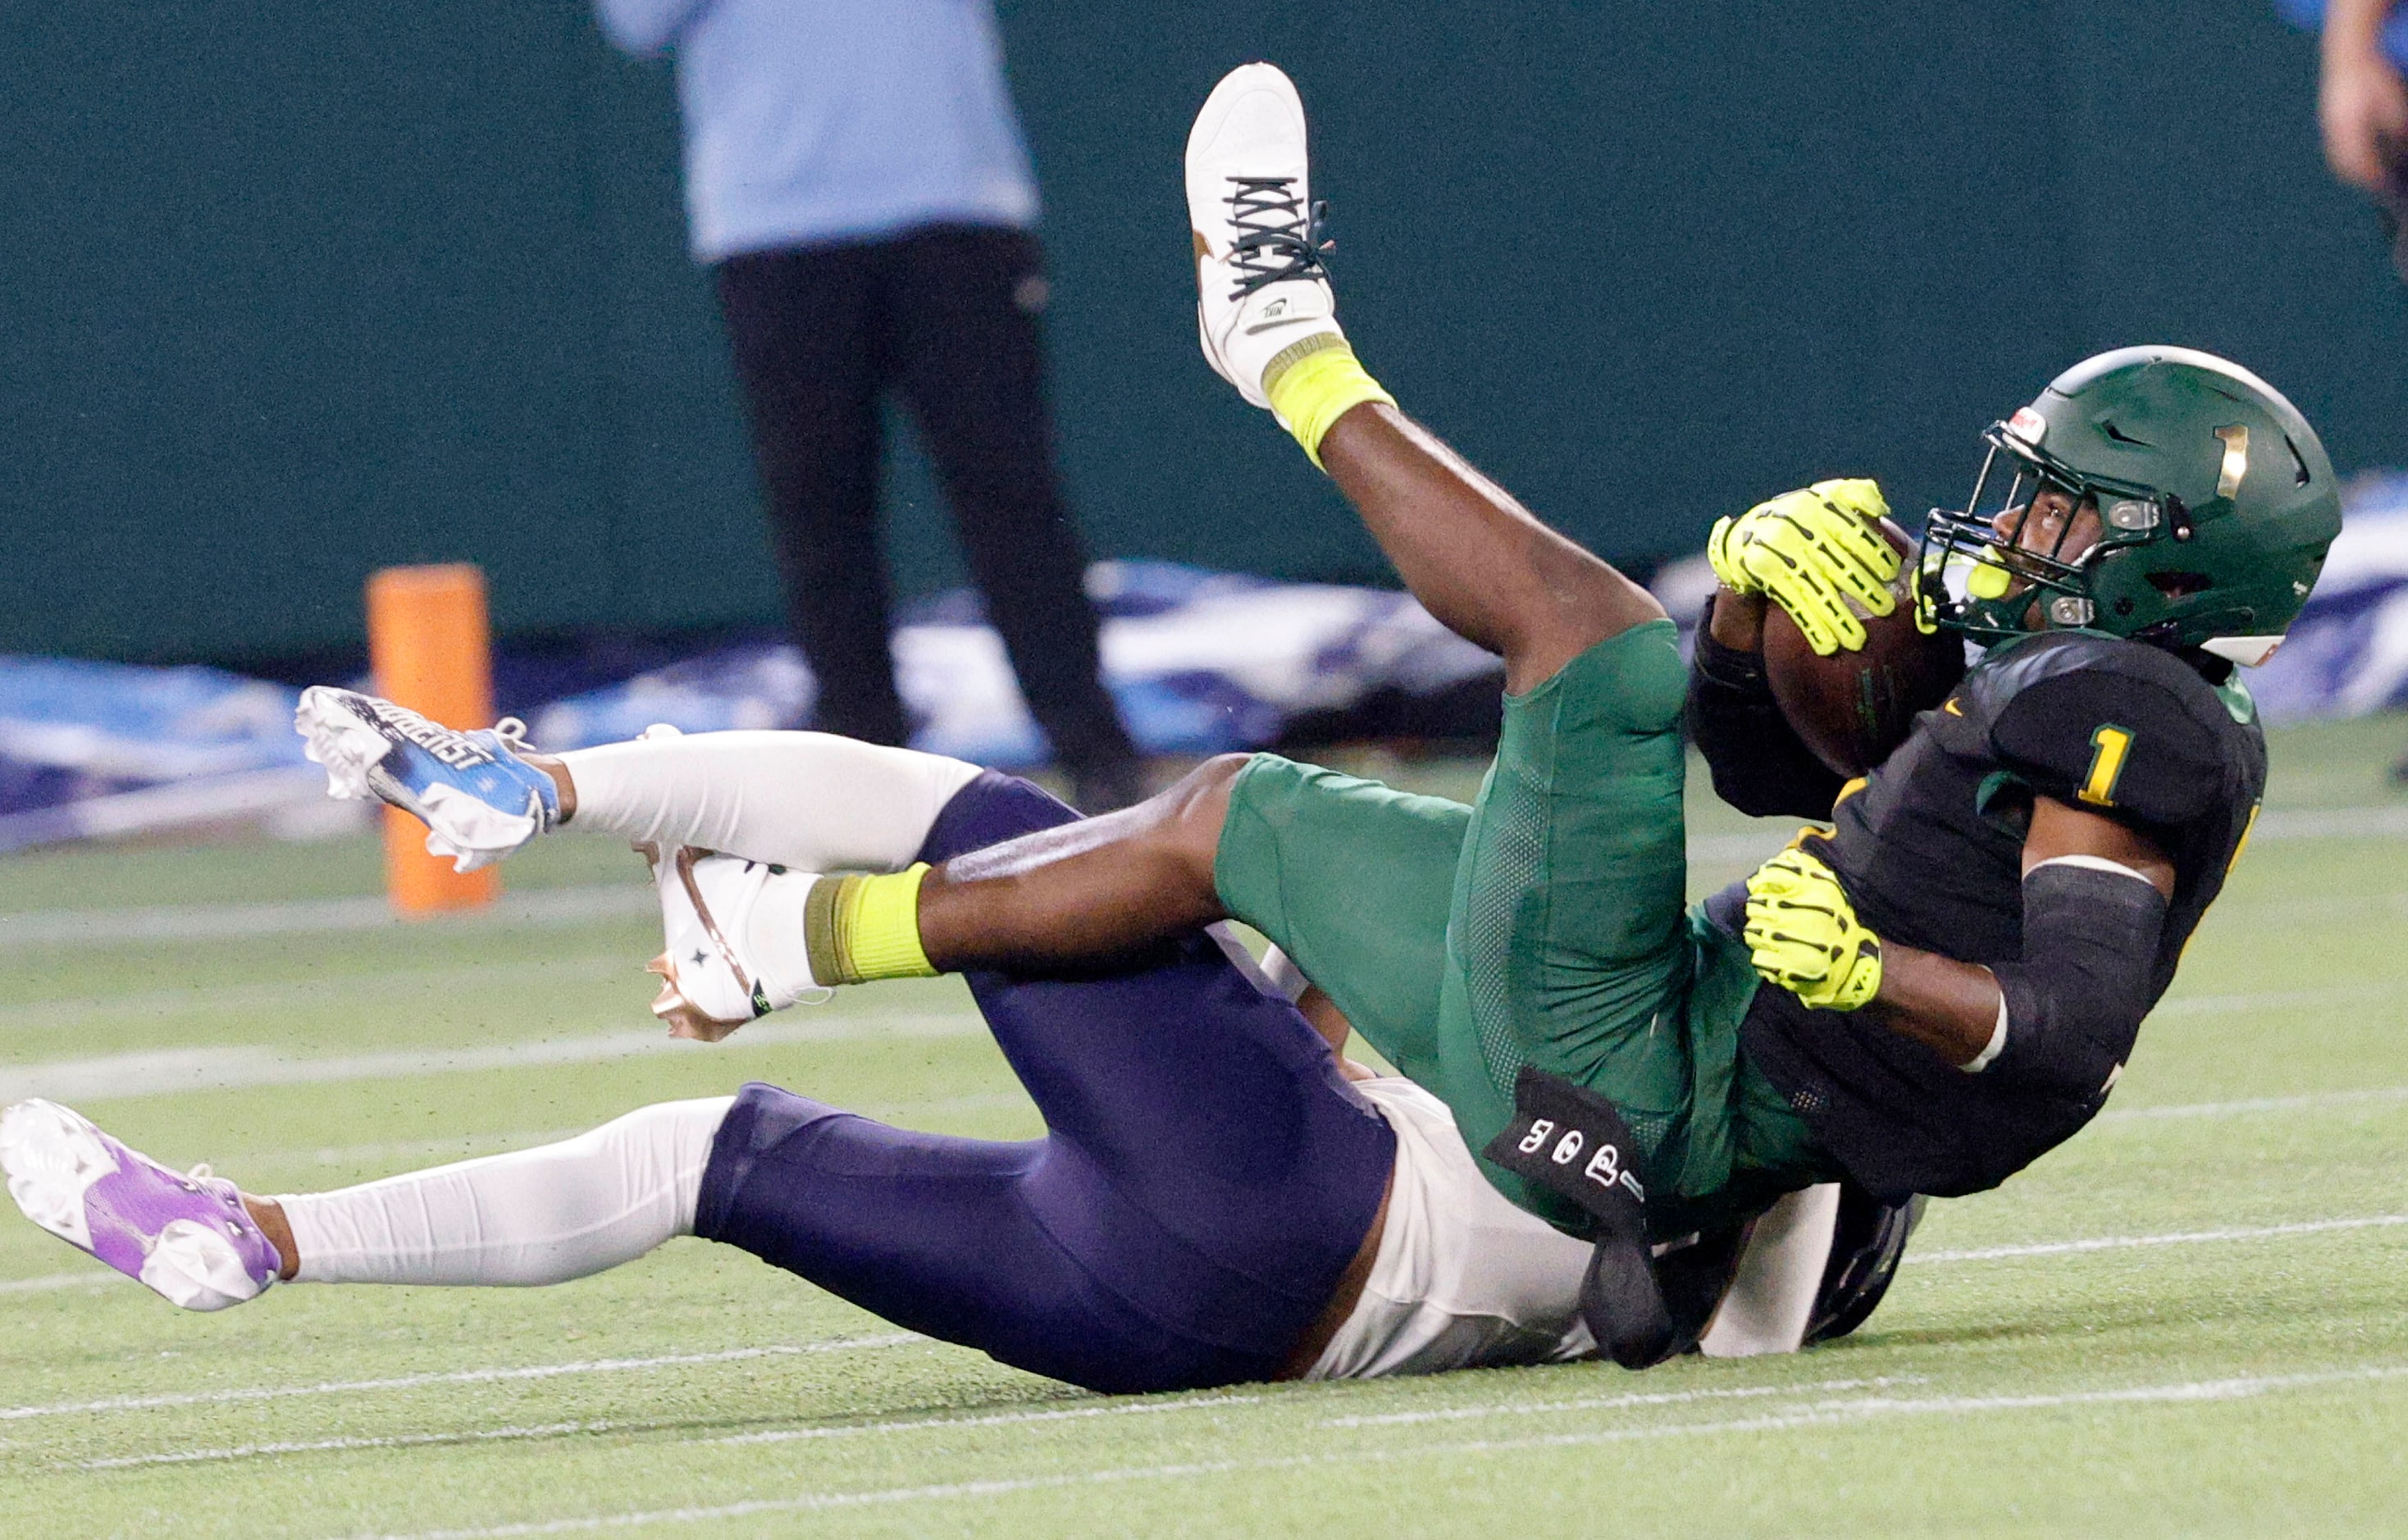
(1259, 327)
(1203, 246)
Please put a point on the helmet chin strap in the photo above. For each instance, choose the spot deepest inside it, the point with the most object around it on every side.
(2248, 651)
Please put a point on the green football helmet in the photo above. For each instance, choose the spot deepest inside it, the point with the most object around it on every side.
(2215, 500)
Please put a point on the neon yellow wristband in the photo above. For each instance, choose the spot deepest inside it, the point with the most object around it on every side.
(859, 928)
(884, 939)
(1315, 383)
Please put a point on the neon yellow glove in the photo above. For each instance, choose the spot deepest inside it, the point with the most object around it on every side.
(1927, 605)
(1803, 933)
(1811, 552)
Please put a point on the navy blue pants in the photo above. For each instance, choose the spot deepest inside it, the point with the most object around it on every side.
(1206, 1175)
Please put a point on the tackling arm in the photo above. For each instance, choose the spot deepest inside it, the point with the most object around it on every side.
(1759, 764)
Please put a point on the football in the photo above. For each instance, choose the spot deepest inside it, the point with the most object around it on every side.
(1852, 708)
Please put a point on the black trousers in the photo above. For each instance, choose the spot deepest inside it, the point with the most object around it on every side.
(947, 316)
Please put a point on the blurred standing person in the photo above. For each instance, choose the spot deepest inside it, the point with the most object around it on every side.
(857, 181)
(2362, 103)
(2362, 108)
(2361, 100)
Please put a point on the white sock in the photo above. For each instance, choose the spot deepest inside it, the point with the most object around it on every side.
(1771, 1301)
(534, 1216)
(810, 800)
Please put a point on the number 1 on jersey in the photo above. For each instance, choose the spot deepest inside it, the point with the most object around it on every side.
(2110, 746)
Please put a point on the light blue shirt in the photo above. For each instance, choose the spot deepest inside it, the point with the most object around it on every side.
(816, 121)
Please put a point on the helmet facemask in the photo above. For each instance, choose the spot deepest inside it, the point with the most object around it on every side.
(1987, 572)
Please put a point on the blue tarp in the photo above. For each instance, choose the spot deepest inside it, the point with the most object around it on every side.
(2347, 653)
(1199, 661)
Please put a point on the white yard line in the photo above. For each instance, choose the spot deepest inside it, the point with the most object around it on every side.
(156, 1072)
(94, 1278)
(455, 1376)
(379, 985)
(996, 1419)
(1825, 1414)
(2229, 1004)
(1601, 1403)
(2192, 1238)
(2386, 821)
(2312, 1101)
(542, 908)
(162, 1070)
(320, 1446)
(245, 1451)
(1004, 1419)
(999, 1420)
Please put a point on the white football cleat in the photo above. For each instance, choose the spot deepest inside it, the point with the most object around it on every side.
(735, 946)
(479, 800)
(188, 1237)
(1261, 289)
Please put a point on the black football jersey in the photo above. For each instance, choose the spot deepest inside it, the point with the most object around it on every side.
(1929, 849)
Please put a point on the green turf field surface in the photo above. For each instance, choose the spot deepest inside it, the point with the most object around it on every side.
(2194, 1318)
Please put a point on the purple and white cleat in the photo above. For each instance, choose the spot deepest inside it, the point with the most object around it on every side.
(188, 1237)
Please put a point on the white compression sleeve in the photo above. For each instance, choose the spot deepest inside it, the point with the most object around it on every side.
(534, 1216)
(806, 800)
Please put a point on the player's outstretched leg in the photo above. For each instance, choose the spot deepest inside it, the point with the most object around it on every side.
(1474, 557)
(1566, 930)
(1150, 1268)
(540, 1216)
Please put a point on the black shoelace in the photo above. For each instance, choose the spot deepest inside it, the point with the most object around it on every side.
(1278, 237)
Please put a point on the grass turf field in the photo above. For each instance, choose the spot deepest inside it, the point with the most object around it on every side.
(2194, 1318)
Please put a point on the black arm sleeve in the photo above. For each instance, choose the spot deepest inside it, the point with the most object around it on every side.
(1759, 764)
(2074, 1002)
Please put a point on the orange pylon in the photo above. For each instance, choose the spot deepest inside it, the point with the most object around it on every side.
(431, 648)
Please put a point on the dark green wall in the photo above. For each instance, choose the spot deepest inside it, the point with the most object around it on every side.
(295, 289)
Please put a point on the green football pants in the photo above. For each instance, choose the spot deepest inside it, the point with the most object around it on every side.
(1546, 924)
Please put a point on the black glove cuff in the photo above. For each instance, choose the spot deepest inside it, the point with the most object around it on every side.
(1727, 666)
(1573, 1143)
